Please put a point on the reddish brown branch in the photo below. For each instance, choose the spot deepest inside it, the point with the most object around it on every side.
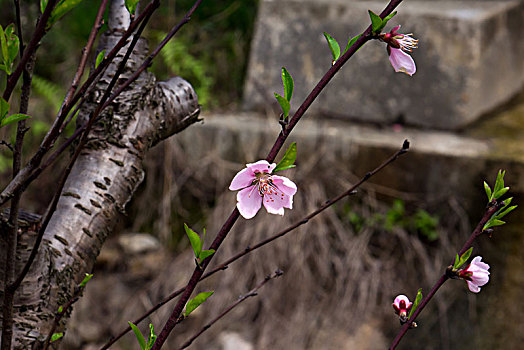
(252, 293)
(198, 272)
(492, 209)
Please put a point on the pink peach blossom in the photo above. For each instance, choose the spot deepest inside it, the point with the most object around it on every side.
(399, 45)
(258, 186)
(476, 274)
(402, 305)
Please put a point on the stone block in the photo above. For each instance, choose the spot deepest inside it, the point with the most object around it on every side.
(469, 60)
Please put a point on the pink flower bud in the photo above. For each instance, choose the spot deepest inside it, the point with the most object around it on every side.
(402, 305)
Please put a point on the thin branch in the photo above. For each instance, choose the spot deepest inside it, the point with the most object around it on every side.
(260, 244)
(12, 232)
(492, 209)
(53, 133)
(198, 272)
(252, 293)
(30, 50)
(61, 313)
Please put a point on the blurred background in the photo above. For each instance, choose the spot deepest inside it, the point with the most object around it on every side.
(463, 112)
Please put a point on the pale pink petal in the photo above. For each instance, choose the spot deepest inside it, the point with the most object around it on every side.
(478, 265)
(284, 184)
(275, 201)
(262, 166)
(403, 298)
(402, 62)
(473, 287)
(249, 202)
(242, 179)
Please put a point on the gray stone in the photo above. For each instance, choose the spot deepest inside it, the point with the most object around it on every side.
(469, 60)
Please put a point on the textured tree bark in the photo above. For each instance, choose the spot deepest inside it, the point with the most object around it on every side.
(102, 181)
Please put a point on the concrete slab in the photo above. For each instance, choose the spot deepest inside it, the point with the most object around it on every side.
(469, 60)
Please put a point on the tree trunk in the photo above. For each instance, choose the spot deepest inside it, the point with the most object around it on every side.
(102, 181)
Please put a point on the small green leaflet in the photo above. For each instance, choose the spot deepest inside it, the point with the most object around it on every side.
(9, 47)
(43, 4)
(138, 335)
(152, 337)
(288, 161)
(205, 253)
(377, 23)
(60, 10)
(334, 47)
(462, 260)
(351, 42)
(100, 58)
(284, 102)
(196, 301)
(288, 84)
(86, 279)
(197, 243)
(131, 6)
(488, 190)
(60, 309)
(56, 336)
(194, 239)
(416, 302)
(13, 118)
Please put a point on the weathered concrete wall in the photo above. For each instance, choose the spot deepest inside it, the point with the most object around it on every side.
(469, 60)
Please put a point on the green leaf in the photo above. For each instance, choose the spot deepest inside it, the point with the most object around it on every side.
(505, 212)
(43, 4)
(416, 302)
(13, 118)
(152, 337)
(194, 239)
(288, 160)
(60, 10)
(499, 183)
(333, 46)
(100, 58)
(456, 263)
(56, 336)
(351, 42)
(388, 17)
(138, 335)
(465, 257)
(13, 43)
(284, 104)
(86, 279)
(488, 190)
(288, 84)
(205, 253)
(196, 301)
(376, 22)
(60, 309)
(131, 6)
(4, 108)
(493, 223)
(500, 192)
(3, 43)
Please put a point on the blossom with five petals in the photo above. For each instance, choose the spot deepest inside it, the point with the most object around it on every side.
(258, 186)
(398, 47)
(476, 274)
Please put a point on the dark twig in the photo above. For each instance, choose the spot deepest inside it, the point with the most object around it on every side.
(198, 272)
(30, 50)
(282, 233)
(492, 209)
(252, 293)
(12, 232)
(53, 133)
(62, 311)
